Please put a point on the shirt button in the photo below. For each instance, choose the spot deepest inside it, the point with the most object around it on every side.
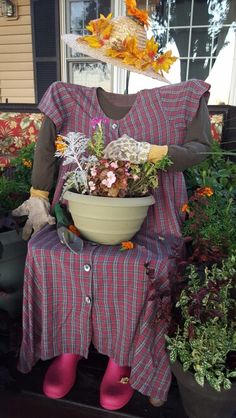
(114, 126)
(88, 299)
(87, 267)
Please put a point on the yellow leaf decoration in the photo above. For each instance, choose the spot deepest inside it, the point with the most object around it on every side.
(163, 62)
(101, 31)
(151, 47)
(140, 15)
(142, 59)
(93, 41)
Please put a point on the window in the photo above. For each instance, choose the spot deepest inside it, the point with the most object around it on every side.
(81, 69)
(202, 33)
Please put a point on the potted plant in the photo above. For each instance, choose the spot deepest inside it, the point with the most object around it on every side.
(14, 188)
(202, 338)
(108, 200)
(203, 347)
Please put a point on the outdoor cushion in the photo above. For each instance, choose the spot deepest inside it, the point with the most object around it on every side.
(16, 131)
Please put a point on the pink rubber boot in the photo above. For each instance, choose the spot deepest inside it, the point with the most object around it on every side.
(60, 376)
(115, 389)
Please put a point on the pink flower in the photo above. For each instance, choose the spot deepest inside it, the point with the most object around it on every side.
(97, 121)
(109, 180)
(91, 186)
(114, 164)
(93, 172)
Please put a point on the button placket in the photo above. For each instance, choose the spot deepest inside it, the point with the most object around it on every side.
(88, 299)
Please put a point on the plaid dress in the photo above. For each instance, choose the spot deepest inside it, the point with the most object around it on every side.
(116, 300)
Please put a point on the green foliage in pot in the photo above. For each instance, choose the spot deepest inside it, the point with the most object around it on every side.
(205, 339)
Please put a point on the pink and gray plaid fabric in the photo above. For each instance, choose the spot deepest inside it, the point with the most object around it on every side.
(115, 299)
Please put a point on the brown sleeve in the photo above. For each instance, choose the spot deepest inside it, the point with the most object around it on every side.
(197, 142)
(44, 161)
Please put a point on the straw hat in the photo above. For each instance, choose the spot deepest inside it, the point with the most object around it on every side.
(122, 41)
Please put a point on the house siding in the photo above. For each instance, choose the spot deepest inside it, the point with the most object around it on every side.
(16, 58)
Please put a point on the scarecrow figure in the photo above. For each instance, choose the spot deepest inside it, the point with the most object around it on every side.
(101, 295)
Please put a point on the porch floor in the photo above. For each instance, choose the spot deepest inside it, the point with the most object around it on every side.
(21, 396)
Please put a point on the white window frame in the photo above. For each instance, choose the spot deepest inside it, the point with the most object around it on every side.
(118, 76)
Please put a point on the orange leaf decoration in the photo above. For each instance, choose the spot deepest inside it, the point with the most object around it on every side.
(140, 15)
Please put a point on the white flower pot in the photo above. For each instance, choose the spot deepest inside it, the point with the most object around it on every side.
(108, 220)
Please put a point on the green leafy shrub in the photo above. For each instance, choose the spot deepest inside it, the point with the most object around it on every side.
(205, 339)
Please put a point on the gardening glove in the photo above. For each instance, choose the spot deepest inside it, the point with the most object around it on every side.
(126, 148)
(37, 208)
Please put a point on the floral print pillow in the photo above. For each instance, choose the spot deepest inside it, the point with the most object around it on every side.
(16, 131)
(217, 123)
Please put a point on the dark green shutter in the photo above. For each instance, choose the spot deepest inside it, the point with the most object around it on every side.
(46, 53)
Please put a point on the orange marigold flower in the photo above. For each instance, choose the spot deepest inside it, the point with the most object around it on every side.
(185, 208)
(205, 191)
(60, 144)
(27, 163)
(127, 245)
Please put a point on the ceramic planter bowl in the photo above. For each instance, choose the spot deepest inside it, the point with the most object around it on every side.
(108, 220)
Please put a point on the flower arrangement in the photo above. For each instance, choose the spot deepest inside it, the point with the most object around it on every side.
(97, 176)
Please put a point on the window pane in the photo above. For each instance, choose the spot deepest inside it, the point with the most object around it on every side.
(199, 68)
(80, 12)
(78, 17)
(213, 12)
(180, 12)
(181, 39)
(104, 7)
(200, 43)
(200, 12)
(91, 74)
(183, 70)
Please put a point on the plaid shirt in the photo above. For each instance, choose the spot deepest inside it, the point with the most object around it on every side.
(114, 299)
